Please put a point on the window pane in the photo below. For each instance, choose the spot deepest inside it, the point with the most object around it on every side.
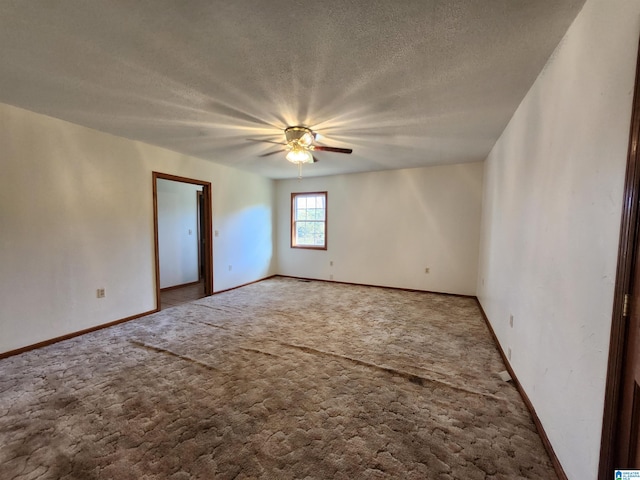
(304, 233)
(310, 233)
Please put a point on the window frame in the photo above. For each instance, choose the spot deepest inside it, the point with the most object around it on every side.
(295, 195)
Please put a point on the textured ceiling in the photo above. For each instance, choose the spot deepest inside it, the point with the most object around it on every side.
(404, 83)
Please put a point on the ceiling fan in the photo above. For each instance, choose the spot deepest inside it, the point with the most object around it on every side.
(299, 146)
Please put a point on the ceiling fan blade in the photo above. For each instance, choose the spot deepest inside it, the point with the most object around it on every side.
(331, 149)
(265, 141)
(272, 153)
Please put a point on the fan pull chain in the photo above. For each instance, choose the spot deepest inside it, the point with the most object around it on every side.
(299, 171)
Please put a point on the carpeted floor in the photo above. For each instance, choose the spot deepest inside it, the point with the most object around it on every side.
(281, 379)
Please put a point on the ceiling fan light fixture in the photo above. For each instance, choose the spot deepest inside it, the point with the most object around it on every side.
(306, 139)
(299, 155)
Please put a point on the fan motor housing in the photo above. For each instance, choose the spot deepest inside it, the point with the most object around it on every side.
(302, 136)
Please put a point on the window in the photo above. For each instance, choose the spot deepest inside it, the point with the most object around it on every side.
(309, 220)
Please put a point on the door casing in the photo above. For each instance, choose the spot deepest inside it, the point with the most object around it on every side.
(207, 233)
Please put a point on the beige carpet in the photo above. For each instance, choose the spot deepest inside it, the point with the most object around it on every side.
(281, 379)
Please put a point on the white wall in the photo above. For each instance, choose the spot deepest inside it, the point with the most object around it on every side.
(550, 230)
(385, 228)
(244, 230)
(76, 214)
(177, 232)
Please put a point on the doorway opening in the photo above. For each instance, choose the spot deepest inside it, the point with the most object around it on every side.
(183, 253)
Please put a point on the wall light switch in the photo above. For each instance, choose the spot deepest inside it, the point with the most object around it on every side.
(190, 231)
(215, 233)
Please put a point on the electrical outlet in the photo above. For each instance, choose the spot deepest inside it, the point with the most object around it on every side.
(511, 321)
(331, 263)
(230, 267)
(427, 270)
(190, 232)
(100, 293)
